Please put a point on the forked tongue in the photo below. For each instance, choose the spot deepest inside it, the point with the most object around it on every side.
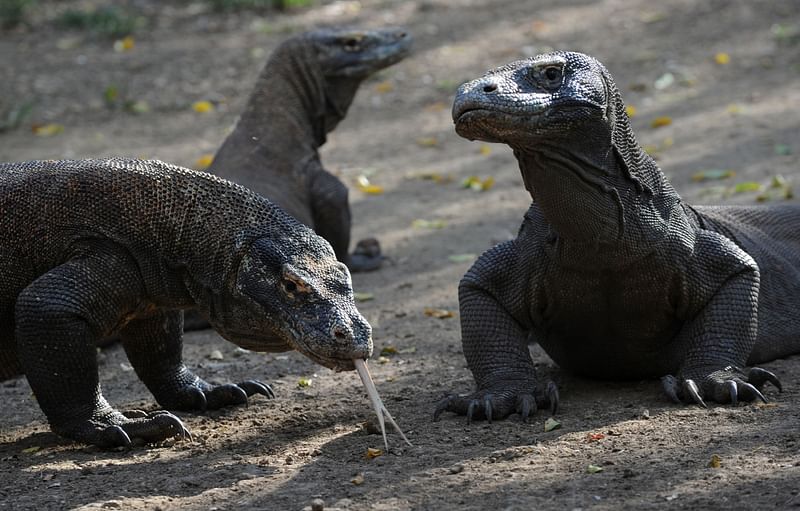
(377, 404)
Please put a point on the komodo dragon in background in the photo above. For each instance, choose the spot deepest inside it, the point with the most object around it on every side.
(611, 273)
(97, 247)
(302, 93)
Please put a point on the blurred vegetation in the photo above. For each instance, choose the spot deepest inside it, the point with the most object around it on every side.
(12, 12)
(238, 5)
(107, 21)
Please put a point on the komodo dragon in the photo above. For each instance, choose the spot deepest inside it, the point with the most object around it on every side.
(97, 247)
(611, 272)
(302, 93)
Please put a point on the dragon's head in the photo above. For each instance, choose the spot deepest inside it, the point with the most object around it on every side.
(283, 298)
(550, 96)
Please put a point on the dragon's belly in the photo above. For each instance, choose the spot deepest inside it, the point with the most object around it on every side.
(612, 326)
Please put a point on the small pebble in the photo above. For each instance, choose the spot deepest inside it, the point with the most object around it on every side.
(456, 469)
(317, 505)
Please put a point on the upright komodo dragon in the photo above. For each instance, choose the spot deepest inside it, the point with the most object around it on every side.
(611, 273)
(302, 93)
(97, 247)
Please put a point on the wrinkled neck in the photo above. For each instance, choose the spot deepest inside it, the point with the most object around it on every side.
(284, 117)
(595, 204)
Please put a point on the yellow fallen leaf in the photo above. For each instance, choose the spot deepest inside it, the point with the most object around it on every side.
(384, 87)
(373, 453)
(428, 141)
(715, 462)
(358, 479)
(485, 149)
(722, 58)
(733, 109)
(475, 183)
(630, 110)
(31, 450)
(438, 313)
(202, 107)
(363, 184)
(125, 44)
(304, 382)
(204, 161)
(661, 121)
(389, 350)
(48, 130)
(383, 360)
(428, 224)
(363, 297)
(436, 107)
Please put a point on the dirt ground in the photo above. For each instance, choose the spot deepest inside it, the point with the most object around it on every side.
(669, 59)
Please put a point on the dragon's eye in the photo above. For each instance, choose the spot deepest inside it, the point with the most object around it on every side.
(352, 44)
(289, 286)
(552, 73)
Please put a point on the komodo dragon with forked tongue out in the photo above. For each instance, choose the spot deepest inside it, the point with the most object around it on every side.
(611, 272)
(303, 92)
(99, 247)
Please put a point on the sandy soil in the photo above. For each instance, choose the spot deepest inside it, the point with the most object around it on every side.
(310, 442)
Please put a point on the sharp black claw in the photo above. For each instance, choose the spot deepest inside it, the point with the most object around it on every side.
(552, 396)
(252, 387)
(752, 392)
(670, 385)
(116, 437)
(134, 414)
(734, 393)
(691, 388)
(524, 407)
(487, 407)
(758, 377)
(471, 410)
(180, 428)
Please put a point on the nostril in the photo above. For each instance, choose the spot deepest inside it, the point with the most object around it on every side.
(341, 334)
(490, 87)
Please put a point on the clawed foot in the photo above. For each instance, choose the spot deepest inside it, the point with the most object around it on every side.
(124, 429)
(366, 256)
(729, 385)
(491, 404)
(199, 395)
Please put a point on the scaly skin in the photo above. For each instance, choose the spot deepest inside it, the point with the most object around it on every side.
(121, 247)
(611, 273)
(301, 95)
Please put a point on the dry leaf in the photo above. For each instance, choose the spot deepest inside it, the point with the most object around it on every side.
(485, 149)
(204, 161)
(712, 174)
(31, 450)
(630, 110)
(48, 130)
(461, 258)
(384, 87)
(125, 44)
(358, 479)
(551, 424)
(747, 186)
(722, 58)
(363, 184)
(658, 122)
(203, 107)
(363, 297)
(383, 360)
(594, 437)
(436, 107)
(373, 453)
(594, 469)
(475, 183)
(715, 462)
(389, 350)
(304, 382)
(428, 141)
(420, 223)
(438, 313)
